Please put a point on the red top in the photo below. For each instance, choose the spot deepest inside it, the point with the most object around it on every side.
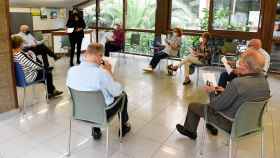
(118, 36)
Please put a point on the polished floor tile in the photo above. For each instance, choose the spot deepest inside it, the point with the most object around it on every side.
(156, 103)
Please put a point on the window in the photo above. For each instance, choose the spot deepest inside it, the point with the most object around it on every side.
(190, 14)
(111, 12)
(141, 14)
(141, 47)
(237, 15)
(90, 15)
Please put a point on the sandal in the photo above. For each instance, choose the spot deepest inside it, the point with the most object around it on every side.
(186, 82)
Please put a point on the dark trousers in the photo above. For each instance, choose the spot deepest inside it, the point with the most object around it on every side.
(111, 46)
(196, 111)
(225, 77)
(113, 110)
(49, 79)
(75, 41)
(156, 59)
(43, 51)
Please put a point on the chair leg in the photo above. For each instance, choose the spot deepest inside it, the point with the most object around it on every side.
(197, 77)
(203, 141)
(262, 144)
(107, 142)
(24, 101)
(47, 94)
(120, 119)
(230, 148)
(69, 139)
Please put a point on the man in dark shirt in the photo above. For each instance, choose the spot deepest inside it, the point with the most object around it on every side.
(250, 85)
(116, 43)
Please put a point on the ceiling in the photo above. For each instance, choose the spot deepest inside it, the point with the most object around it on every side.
(45, 3)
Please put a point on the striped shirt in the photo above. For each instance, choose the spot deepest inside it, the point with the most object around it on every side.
(29, 65)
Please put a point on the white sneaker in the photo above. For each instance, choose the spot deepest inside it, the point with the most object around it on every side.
(148, 69)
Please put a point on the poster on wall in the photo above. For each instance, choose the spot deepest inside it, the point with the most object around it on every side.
(44, 13)
(53, 13)
(35, 12)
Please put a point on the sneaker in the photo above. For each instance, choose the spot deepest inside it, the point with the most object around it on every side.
(148, 69)
(185, 132)
(125, 130)
(55, 94)
(96, 133)
(212, 129)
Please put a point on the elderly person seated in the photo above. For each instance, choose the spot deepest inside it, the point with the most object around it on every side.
(38, 47)
(116, 42)
(32, 69)
(95, 74)
(197, 56)
(250, 85)
(171, 48)
(255, 44)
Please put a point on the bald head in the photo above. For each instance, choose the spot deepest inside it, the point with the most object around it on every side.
(253, 61)
(24, 28)
(255, 44)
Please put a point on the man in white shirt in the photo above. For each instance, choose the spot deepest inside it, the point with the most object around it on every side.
(38, 47)
(95, 74)
(255, 44)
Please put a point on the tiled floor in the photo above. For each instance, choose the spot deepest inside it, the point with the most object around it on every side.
(156, 103)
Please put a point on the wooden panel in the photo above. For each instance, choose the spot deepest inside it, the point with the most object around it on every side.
(8, 99)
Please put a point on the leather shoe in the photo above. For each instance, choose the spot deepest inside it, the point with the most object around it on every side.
(185, 132)
(125, 130)
(96, 133)
(212, 129)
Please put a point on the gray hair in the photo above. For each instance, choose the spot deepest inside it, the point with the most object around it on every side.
(95, 48)
(254, 60)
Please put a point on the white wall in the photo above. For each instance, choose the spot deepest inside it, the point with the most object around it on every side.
(39, 24)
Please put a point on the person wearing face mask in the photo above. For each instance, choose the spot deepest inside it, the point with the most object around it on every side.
(255, 44)
(33, 70)
(171, 48)
(197, 56)
(115, 43)
(251, 85)
(76, 22)
(38, 47)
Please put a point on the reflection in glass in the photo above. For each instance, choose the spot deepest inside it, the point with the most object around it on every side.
(190, 14)
(237, 15)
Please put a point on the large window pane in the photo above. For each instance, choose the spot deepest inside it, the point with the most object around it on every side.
(141, 47)
(237, 15)
(190, 14)
(90, 16)
(111, 12)
(141, 14)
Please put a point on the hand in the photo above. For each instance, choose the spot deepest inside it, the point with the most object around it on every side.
(107, 66)
(219, 89)
(79, 29)
(34, 45)
(209, 89)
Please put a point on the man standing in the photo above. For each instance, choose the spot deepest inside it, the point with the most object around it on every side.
(250, 85)
(94, 74)
(38, 47)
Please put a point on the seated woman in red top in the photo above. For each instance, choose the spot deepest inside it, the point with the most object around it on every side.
(116, 42)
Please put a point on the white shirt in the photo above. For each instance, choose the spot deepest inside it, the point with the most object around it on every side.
(173, 40)
(29, 40)
(267, 59)
(90, 77)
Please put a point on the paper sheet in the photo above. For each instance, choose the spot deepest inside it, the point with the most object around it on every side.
(70, 30)
(210, 77)
(227, 66)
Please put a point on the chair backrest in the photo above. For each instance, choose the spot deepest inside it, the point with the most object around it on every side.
(20, 76)
(89, 106)
(248, 118)
(135, 39)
